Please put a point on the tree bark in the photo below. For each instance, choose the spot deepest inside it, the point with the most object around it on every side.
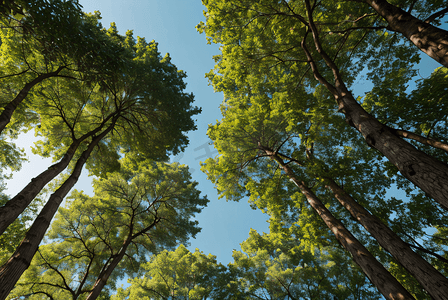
(105, 274)
(426, 172)
(9, 109)
(375, 271)
(429, 39)
(432, 281)
(21, 259)
(14, 207)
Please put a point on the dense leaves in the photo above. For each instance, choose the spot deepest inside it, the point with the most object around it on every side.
(178, 274)
(86, 109)
(294, 139)
(96, 240)
(280, 66)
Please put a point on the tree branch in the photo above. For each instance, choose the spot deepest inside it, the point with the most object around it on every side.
(436, 15)
(422, 140)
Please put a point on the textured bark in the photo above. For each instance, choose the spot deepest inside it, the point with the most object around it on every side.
(14, 207)
(386, 284)
(21, 259)
(429, 39)
(426, 172)
(422, 140)
(432, 281)
(9, 109)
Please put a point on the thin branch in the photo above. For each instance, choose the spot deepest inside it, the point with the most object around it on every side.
(411, 7)
(359, 27)
(419, 247)
(422, 140)
(17, 74)
(57, 271)
(436, 15)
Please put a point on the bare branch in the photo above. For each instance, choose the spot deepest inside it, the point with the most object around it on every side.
(436, 15)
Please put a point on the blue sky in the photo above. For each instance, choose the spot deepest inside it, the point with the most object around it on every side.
(172, 23)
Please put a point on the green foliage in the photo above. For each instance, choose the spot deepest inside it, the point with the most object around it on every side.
(51, 34)
(147, 106)
(140, 210)
(179, 274)
(278, 267)
(274, 104)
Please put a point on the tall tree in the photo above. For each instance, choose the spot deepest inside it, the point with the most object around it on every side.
(323, 44)
(179, 274)
(241, 137)
(143, 208)
(263, 123)
(138, 102)
(278, 266)
(143, 109)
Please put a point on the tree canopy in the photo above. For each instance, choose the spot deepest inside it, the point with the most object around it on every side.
(92, 117)
(283, 139)
(96, 240)
(296, 139)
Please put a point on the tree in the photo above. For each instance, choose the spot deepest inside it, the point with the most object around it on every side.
(312, 150)
(143, 208)
(178, 274)
(278, 266)
(143, 109)
(242, 137)
(42, 40)
(25, 54)
(429, 39)
(256, 37)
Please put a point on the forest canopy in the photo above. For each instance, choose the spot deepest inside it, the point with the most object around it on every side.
(295, 139)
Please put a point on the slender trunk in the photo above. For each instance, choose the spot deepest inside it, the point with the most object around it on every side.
(375, 271)
(21, 259)
(104, 276)
(14, 207)
(429, 39)
(9, 109)
(432, 281)
(426, 172)
(422, 140)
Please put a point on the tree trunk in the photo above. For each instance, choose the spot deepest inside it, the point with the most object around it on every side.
(14, 207)
(429, 39)
(9, 109)
(21, 259)
(375, 271)
(104, 276)
(426, 172)
(432, 281)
